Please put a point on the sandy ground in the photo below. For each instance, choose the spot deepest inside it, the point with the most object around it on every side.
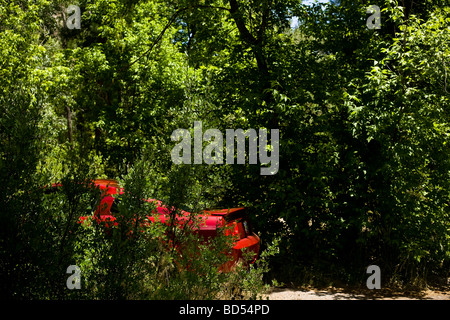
(345, 294)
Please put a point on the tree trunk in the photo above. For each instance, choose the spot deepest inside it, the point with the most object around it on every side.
(69, 126)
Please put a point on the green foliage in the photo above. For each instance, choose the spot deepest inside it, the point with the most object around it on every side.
(408, 103)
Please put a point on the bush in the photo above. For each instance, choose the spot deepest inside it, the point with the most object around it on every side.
(135, 260)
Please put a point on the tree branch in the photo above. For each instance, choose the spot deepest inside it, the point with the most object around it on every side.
(169, 23)
(248, 37)
(245, 34)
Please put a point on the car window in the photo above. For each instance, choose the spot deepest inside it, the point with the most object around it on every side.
(115, 206)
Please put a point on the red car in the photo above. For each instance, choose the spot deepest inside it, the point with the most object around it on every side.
(211, 220)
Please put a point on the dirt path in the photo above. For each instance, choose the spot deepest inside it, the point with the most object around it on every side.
(346, 294)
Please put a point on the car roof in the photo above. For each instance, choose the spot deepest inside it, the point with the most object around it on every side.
(107, 182)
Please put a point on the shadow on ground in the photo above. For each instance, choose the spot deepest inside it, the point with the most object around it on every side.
(333, 293)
